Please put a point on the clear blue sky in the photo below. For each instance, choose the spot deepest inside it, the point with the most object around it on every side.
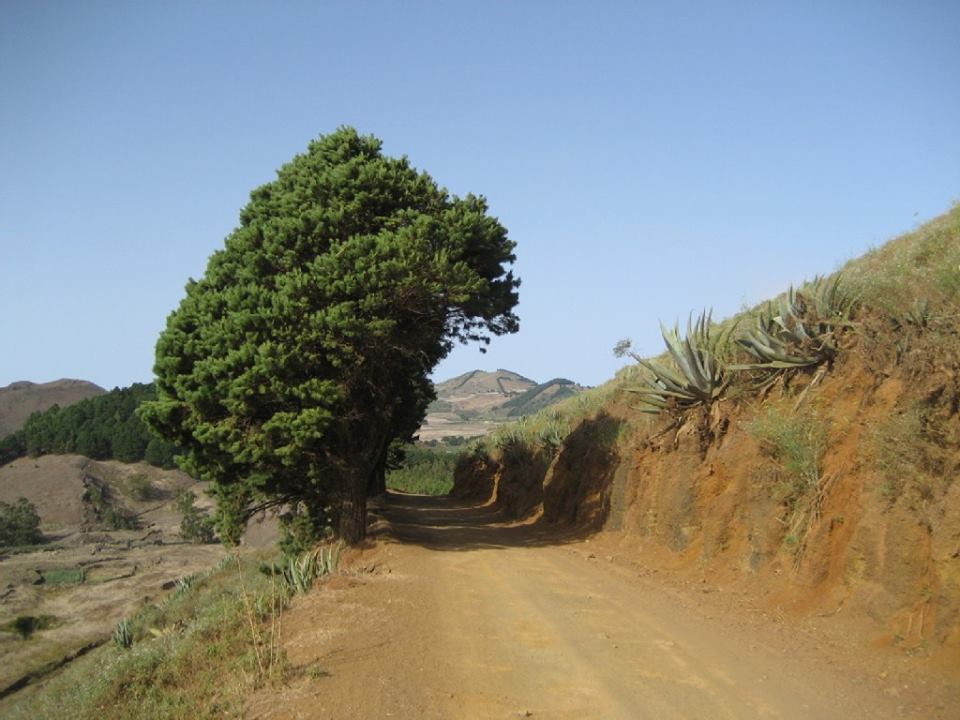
(648, 158)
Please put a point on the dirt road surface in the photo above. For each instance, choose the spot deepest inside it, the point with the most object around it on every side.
(452, 614)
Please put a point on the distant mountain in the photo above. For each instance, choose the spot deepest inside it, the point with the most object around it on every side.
(477, 402)
(20, 400)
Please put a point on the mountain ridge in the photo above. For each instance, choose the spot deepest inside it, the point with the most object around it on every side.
(476, 402)
(20, 399)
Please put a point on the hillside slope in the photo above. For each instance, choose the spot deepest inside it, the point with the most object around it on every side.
(476, 402)
(830, 494)
(20, 400)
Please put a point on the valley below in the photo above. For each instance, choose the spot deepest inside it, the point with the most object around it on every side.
(87, 577)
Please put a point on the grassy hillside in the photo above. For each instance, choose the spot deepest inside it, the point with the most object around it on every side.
(477, 402)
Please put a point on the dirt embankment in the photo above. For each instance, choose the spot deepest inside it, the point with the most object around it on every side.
(870, 540)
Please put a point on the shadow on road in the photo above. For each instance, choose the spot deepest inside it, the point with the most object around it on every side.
(445, 523)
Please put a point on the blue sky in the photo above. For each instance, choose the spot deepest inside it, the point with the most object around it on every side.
(648, 159)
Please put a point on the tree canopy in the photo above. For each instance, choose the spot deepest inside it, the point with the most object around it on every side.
(304, 351)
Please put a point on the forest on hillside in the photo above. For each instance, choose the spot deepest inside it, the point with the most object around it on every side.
(106, 427)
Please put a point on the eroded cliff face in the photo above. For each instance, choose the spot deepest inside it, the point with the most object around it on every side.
(874, 533)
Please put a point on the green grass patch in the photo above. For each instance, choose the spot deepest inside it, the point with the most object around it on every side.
(64, 576)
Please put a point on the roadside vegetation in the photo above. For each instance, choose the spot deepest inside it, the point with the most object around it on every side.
(545, 430)
(795, 439)
(194, 653)
(897, 307)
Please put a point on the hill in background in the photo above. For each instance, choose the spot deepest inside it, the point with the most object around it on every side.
(476, 402)
(19, 400)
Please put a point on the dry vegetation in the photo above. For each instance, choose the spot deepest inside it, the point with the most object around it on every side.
(89, 574)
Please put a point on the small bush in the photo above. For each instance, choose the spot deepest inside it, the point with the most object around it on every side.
(27, 625)
(139, 487)
(301, 530)
(196, 525)
(910, 453)
(796, 442)
(19, 523)
(114, 517)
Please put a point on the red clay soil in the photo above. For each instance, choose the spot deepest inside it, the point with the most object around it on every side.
(696, 498)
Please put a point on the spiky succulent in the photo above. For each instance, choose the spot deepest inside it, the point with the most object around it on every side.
(123, 635)
(800, 331)
(301, 571)
(700, 376)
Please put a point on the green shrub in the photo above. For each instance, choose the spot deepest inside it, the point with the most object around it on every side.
(27, 625)
(196, 525)
(116, 518)
(139, 487)
(301, 529)
(796, 441)
(911, 454)
(19, 523)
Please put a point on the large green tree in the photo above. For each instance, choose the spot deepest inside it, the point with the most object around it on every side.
(304, 351)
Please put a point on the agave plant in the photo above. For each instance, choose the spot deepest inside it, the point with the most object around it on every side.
(123, 635)
(800, 331)
(700, 377)
(301, 571)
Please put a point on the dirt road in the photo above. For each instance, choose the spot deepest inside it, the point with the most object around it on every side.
(453, 614)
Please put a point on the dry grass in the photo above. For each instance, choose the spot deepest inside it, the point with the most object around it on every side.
(194, 654)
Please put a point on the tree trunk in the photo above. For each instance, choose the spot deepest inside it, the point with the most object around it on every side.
(378, 480)
(350, 506)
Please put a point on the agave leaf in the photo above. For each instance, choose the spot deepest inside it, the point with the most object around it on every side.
(664, 375)
(676, 350)
(699, 376)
